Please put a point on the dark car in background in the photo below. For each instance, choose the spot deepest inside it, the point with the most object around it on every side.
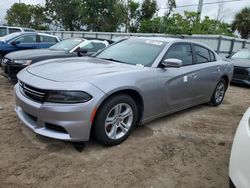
(13, 62)
(25, 40)
(5, 30)
(241, 61)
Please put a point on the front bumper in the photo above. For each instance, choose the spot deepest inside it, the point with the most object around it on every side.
(69, 122)
(241, 76)
(239, 167)
(10, 70)
(241, 81)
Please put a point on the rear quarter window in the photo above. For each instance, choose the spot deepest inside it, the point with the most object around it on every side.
(202, 54)
(212, 56)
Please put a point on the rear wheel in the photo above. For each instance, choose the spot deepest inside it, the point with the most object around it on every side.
(115, 120)
(219, 93)
(1, 57)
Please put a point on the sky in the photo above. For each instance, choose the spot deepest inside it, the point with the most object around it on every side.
(229, 9)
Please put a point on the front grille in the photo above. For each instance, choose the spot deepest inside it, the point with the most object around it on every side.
(241, 73)
(32, 92)
(6, 61)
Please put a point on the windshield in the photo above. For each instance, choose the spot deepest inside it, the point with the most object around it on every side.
(134, 51)
(66, 45)
(10, 36)
(242, 54)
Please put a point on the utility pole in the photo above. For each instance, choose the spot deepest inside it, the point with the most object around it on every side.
(199, 10)
(19, 1)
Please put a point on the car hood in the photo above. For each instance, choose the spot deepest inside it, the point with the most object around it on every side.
(31, 54)
(241, 63)
(75, 69)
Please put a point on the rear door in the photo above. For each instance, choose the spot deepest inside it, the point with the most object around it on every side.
(205, 74)
(46, 41)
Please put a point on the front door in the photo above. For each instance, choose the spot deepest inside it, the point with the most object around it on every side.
(178, 81)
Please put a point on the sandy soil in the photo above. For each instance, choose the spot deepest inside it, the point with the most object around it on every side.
(188, 149)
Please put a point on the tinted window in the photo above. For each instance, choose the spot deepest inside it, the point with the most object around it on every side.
(94, 46)
(3, 31)
(13, 30)
(98, 46)
(26, 39)
(134, 51)
(202, 54)
(47, 39)
(182, 52)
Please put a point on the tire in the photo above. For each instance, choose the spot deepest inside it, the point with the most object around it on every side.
(112, 125)
(219, 93)
(1, 57)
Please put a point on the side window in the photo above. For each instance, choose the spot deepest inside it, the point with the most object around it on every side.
(26, 39)
(89, 47)
(3, 31)
(182, 52)
(13, 30)
(212, 56)
(47, 39)
(98, 46)
(202, 54)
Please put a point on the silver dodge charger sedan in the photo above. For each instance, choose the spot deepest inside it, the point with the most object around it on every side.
(131, 82)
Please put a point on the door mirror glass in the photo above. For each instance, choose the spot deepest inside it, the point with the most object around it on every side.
(175, 63)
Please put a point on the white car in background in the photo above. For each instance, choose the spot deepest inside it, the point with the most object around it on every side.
(239, 167)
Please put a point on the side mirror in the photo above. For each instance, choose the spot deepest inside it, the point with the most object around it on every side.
(80, 51)
(14, 43)
(228, 56)
(175, 63)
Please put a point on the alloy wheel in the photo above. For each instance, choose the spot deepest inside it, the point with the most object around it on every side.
(219, 93)
(118, 121)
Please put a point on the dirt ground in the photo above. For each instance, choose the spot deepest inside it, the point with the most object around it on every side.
(188, 149)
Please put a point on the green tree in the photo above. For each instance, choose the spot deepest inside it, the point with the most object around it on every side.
(171, 4)
(152, 26)
(133, 16)
(19, 15)
(148, 9)
(27, 16)
(65, 13)
(241, 22)
(39, 19)
(105, 15)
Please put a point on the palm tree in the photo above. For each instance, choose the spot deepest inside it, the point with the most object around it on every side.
(241, 22)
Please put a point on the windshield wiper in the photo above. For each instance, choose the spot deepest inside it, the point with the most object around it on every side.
(111, 59)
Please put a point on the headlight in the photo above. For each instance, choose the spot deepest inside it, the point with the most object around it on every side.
(67, 97)
(23, 62)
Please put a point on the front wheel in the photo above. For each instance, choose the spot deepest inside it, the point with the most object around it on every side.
(115, 120)
(219, 93)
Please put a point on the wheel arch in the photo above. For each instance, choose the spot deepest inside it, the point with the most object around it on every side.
(133, 93)
(226, 78)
